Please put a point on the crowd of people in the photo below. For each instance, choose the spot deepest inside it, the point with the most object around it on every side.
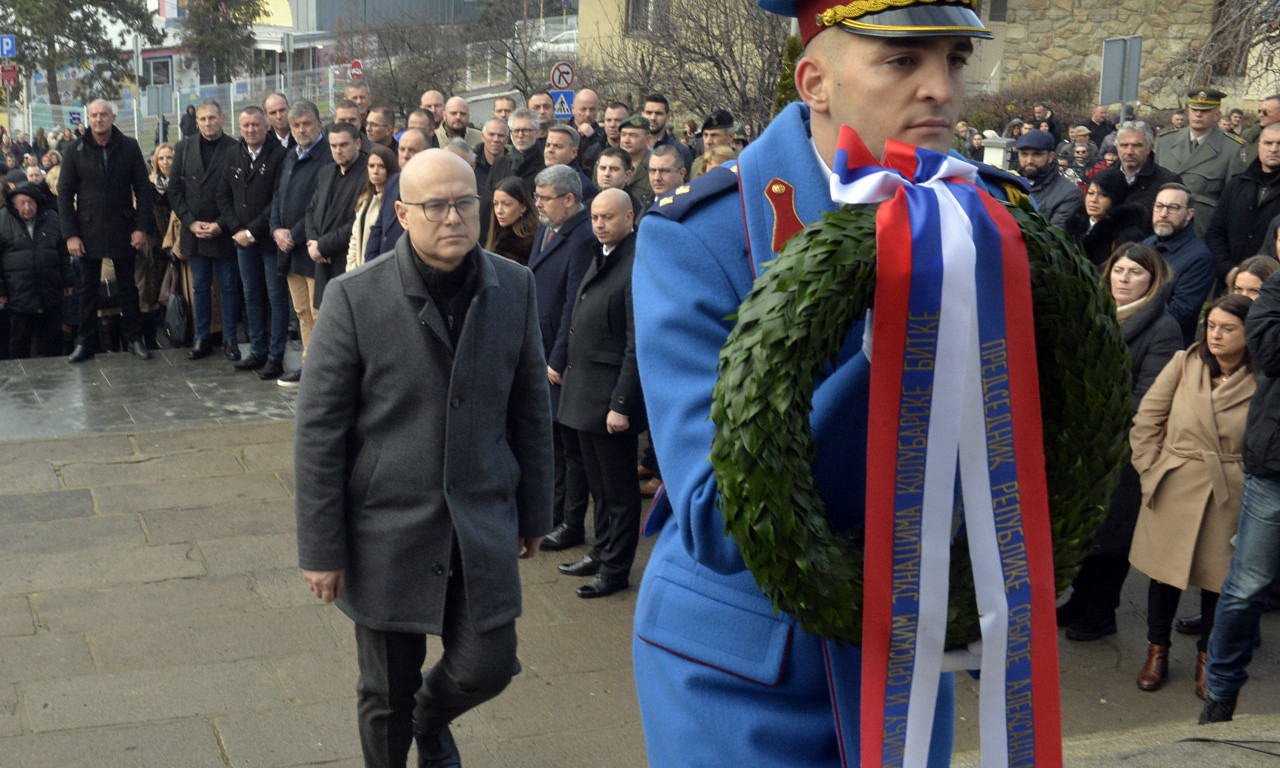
(1182, 225)
(1174, 220)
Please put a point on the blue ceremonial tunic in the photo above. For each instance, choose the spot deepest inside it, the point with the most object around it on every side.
(722, 679)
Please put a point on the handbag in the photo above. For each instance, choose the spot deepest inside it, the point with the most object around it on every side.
(177, 315)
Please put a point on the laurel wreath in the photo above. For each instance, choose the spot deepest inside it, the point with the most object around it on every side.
(792, 325)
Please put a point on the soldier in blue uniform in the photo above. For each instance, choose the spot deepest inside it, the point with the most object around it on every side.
(723, 679)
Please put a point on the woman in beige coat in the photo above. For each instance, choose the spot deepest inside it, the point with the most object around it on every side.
(1186, 438)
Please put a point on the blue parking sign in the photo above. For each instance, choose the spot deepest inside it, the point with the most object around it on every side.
(8, 46)
(563, 104)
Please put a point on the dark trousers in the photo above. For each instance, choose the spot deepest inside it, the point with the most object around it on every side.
(397, 699)
(1162, 606)
(569, 502)
(610, 462)
(90, 280)
(202, 274)
(266, 301)
(42, 328)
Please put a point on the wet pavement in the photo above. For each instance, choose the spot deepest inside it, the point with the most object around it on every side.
(116, 392)
(151, 611)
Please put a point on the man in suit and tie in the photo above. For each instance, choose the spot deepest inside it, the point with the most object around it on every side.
(422, 465)
(199, 166)
(1202, 154)
(600, 400)
(563, 248)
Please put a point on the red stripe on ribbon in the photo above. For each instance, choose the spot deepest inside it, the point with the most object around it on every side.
(1024, 395)
(902, 157)
(889, 340)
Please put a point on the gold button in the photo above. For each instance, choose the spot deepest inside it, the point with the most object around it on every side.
(778, 189)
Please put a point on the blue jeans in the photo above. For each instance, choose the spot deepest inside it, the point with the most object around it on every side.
(202, 269)
(1254, 565)
(266, 299)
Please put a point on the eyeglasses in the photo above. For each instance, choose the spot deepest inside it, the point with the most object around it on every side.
(523, 130)
(546, 198)
(1170, 208)
(437, 211)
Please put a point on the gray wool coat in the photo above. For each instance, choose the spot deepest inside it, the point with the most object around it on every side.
(403, 446)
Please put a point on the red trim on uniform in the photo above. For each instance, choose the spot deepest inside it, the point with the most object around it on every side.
(786, 222)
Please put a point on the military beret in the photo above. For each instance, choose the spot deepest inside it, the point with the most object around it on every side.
(901, 18)
(1035, 141)
(636, 121)
(1205, 98)
(721, 118)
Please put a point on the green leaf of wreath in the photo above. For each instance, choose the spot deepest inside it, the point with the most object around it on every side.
(793, 324)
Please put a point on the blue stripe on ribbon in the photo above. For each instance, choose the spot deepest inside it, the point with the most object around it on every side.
(1005, 493)
(923, 310)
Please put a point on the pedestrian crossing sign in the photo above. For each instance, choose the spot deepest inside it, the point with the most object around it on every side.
(563, 104)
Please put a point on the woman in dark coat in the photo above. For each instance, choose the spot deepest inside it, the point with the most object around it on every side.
(1139, 281)
(1105, 220)
(35, 271)
(513, 221)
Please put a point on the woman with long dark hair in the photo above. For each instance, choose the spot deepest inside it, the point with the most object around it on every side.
(514, 220)
(382, 165)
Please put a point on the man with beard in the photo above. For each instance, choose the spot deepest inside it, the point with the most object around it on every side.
(1189, 259)
(525, 158)
(658, 110)
(455, 125)
(1056, 197)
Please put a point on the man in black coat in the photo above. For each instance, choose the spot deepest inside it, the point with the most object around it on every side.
(332, 209)
(244, 197)
(1135, 146)
(199, 166)
(104, 206)
(423, 466)
(600, 400)
(562, 250)
(1246, 207)
(525, 158)
(298, 176)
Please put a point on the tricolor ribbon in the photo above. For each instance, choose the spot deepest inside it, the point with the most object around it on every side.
(954, 402)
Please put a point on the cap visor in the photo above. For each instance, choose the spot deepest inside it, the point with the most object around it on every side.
(920, 21)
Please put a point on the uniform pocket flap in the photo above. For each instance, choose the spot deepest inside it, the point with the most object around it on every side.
(732, 637)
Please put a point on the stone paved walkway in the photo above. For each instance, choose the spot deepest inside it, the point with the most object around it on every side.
(151, 611)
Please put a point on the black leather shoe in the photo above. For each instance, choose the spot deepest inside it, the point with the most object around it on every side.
(230, 350)
(200, 349)
(139, 350)
(80, 354)
(271, 369)
(1188, 625)
(439, 751)
(601, 585)
(563, 537)
(1217, 711)
(587, 566)
(251, 363)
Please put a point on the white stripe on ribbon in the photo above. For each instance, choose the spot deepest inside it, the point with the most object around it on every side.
(956, 444)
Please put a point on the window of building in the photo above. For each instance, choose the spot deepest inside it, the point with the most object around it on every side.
(647, 17)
